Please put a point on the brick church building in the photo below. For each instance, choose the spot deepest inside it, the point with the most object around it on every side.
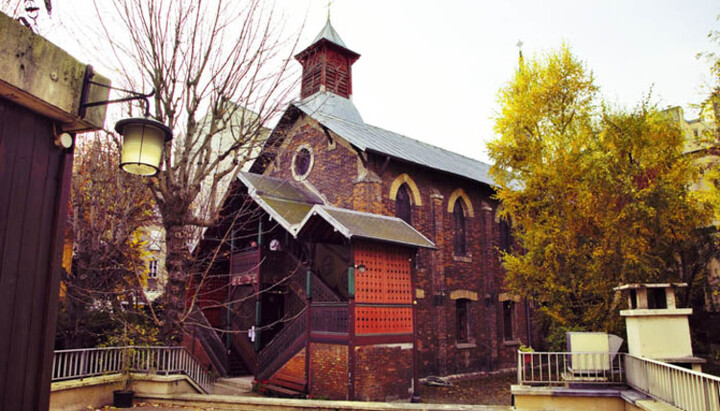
(361, 259)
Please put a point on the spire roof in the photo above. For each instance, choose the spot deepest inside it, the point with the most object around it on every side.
(329, 33)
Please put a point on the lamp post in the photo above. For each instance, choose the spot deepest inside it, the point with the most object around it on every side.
(143, 138)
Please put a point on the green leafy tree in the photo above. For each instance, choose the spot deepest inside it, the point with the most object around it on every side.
(597, 196)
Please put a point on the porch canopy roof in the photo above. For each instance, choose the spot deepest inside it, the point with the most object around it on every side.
(285, 201)
(297, 210)
(356, 224)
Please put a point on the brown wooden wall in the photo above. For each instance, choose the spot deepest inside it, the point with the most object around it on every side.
(34, 184)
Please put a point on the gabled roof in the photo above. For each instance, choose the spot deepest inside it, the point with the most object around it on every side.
(285, 201)
(342, 117)
(356, 224)
(292, 207)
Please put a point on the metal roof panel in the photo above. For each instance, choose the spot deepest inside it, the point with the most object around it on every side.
(342, 117)
(351, 223)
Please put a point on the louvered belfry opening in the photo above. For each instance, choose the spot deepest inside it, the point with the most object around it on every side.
(327, 65)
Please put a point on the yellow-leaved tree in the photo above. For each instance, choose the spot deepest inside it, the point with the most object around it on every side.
(597, 196)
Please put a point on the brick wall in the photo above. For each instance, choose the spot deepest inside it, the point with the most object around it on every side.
(295, 368)
(329, 371)
(382, 373)
(440, 272)
(346, 182)
(334, 166)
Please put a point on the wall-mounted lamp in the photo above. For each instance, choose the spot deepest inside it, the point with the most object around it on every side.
(361, 268)
(143, 138)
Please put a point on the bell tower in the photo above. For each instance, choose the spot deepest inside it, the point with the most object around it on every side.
(327, 65)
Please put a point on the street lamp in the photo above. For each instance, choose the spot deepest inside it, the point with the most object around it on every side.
(143, 141)
(143, 138)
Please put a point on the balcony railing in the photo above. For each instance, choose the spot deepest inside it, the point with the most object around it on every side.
(329, 318)
(560, 368)
(677, 386)
(90, 362)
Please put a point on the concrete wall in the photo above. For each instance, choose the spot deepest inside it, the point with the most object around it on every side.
(528, 398)
(41, 76)
(658, 336)
(97, 392)
(536, 402)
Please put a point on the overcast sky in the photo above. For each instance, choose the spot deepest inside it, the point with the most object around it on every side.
(431, 69)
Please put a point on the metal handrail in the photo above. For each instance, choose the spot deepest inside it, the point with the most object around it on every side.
(560, 368)
(91, 362)
(677, 386)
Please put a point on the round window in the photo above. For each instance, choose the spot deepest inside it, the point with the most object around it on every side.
(302, 163)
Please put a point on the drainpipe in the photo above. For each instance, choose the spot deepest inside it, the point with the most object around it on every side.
(258, 306)
(351, 326)
(416, 380)
(308, 326)
(528, 324)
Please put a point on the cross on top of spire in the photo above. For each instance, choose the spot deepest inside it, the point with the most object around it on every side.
(329, 3)
(520, 55)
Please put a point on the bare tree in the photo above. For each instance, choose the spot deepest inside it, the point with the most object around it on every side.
(109, 210)
(25, 11)
(220, 71)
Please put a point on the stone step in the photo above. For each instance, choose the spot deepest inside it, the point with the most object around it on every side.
(243, 383)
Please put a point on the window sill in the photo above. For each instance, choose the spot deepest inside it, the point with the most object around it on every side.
(463, 258)
(511, 342)
(465, 345)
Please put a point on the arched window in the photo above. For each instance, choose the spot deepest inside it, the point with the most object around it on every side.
(459, 242)
(403, 210)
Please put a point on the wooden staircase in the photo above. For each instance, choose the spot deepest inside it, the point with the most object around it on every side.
(290, 341)
(283, 347)
(237, 365)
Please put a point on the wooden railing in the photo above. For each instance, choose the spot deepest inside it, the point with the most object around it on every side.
(677, 386)
(329, 317)
(210, 341)
(285, 344)
(89, 362)
(242, 344)
(321, 292)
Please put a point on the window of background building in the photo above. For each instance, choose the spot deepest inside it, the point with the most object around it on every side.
(155, 240)
(508, 320)
(462, 314)
(403, 208)
(459, 241)
(152, 268)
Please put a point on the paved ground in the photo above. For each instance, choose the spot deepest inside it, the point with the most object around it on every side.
(485, 390)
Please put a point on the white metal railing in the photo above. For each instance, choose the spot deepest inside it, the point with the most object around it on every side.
(559, 368)
(89, 362)
(680, 387)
